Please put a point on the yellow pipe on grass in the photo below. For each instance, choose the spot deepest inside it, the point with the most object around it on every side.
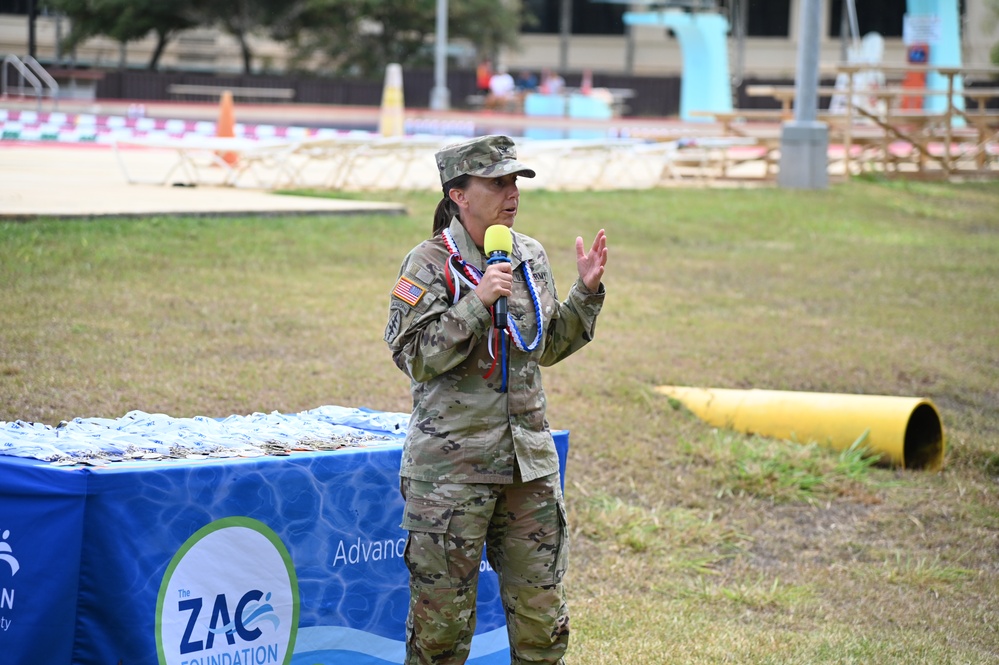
(905, 431)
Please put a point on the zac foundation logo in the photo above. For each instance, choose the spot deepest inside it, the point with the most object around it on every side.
(7, 593)
(228, 597)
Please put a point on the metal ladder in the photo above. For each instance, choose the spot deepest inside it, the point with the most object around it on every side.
(31, 73)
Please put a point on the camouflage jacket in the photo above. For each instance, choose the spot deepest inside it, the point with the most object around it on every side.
(464, 429)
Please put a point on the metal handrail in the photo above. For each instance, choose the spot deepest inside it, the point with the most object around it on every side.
(24, 68)
(45, 77)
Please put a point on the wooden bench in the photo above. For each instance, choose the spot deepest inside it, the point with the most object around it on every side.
(76, 74)
(476, 101)
(620, 98)
(77, 83)
(734, 122)
(619, 103)
(785, 93)
(286, 94)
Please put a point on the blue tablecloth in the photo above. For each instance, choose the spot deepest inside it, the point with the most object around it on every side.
(293, 559)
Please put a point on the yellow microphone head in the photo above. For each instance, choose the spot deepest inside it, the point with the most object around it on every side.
(498, 239)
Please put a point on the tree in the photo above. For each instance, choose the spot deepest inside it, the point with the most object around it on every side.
(241, 18)
(991, 23)
(358, 38)
(489, 25)
(124, 21)
(129, 20)
(344, 37)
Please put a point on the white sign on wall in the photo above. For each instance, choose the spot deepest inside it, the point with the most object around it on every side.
(920, 29)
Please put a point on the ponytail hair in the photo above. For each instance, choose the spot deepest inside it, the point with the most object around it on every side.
(446, 208)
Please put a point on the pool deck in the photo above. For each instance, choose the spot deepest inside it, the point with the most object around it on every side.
(67, 180)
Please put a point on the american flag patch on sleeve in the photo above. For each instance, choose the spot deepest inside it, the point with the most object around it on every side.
(408, 291)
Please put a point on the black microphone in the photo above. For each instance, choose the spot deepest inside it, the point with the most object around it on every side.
(498, 245)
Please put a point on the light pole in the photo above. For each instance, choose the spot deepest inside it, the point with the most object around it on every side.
(565, 33)
(440, 96)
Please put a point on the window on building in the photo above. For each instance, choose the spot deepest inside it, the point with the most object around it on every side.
(14, 7)
(881, 16)
(589, 17)
(541, 16)
(768, 18)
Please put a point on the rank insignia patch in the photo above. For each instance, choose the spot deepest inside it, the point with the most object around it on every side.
(408, 291)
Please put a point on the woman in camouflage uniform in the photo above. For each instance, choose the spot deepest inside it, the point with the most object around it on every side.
(479, 464)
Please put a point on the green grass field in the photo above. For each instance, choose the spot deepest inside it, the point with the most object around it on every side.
(690, 544)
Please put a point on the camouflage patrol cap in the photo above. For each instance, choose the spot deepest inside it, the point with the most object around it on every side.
(486, 157)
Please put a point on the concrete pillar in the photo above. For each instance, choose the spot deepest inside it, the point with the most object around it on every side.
(804, 142)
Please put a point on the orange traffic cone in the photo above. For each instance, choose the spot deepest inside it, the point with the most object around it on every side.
(226, 126)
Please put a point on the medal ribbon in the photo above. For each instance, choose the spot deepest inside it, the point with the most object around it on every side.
(460, 270)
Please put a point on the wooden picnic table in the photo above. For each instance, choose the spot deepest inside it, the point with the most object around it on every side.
(920, 129)
(785, 93)
(947, 138)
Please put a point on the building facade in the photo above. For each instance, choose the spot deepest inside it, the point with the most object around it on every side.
(567, 36)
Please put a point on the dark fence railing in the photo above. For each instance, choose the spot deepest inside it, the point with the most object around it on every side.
(654, 96)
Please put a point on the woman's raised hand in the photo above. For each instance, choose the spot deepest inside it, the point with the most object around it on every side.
(591, 264)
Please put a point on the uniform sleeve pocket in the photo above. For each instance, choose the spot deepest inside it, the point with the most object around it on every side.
(426, 516)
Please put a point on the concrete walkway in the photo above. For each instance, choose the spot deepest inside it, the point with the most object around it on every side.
(69, 180)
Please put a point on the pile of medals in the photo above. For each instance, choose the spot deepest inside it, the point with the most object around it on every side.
(144, 436)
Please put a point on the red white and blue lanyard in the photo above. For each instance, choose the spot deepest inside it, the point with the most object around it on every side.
(459, 270)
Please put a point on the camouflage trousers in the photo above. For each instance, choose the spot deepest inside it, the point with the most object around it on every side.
(524, 529)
